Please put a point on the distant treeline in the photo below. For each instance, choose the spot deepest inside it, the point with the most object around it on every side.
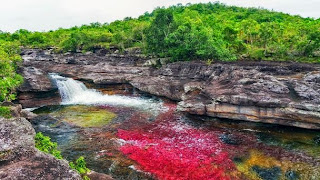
(199, 31)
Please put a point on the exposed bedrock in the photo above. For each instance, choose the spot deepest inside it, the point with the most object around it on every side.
(37, 88)
(270, 92)
(19, 159)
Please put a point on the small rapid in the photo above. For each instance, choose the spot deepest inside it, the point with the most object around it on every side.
(74, 92)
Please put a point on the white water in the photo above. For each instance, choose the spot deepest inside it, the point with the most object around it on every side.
(75, 92)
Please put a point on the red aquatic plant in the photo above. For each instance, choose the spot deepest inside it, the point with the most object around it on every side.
(172, 150)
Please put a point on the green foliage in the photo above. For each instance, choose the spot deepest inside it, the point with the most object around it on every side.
(216, 31)
(195, 31)
(44, 144)
(186, 37)
(5, 112)
(9, 79)
(80, 165)
(158, 32)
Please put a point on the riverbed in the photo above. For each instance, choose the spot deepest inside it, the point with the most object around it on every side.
(138, 136)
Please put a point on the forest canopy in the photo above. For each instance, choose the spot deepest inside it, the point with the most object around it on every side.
(192, 32)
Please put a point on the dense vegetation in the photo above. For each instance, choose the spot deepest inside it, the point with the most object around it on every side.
(199, 31)
(211, 31)
(9, 58)
(9, 79)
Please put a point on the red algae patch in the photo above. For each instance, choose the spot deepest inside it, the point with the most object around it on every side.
(173, 150)
(164, 144)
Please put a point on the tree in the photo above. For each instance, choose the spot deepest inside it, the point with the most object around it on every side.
(266, 34)
(158, 31)
(313, 43)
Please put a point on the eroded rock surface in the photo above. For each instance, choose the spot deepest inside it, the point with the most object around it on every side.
(37, 88)
(19, 159)
(270, 92)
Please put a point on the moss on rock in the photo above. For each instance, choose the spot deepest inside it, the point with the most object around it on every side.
(85, 116)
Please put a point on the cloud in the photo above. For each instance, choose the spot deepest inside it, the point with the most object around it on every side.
(43, 15)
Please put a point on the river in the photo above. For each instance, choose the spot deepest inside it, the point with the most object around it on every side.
(138, 136)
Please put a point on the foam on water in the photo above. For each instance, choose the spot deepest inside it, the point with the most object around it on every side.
(75, 92)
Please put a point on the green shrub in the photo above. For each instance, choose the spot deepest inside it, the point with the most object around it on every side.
(9, 79)
(5, 112)
(44, 144)
(80, 166)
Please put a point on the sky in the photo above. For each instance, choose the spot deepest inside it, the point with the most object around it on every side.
(44, 15)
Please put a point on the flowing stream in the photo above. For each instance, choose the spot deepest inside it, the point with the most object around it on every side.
(75, 92)
(142, 137)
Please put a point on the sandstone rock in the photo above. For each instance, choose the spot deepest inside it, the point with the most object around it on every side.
(16, 138)
(193, 108)
(35, 80)
(283, 116)
(98, 176)
(270, 92)
(36, 99)
(156, 62)
(160, 86)
(37, 89)
(15, 110)
(28, 114)
(19, 159)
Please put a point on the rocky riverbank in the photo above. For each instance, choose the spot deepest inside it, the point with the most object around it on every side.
(19, 159)
(278, 93)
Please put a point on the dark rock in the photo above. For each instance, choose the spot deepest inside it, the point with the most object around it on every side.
(292, 175)
(316, 140)
(268, 174)
(229, 139)
(268, 139)
(238, 160)
(31, 99)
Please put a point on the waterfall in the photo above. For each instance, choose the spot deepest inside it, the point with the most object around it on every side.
(75, 92)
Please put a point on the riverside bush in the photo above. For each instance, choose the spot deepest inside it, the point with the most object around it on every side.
(44, 144)
(80, 166)
(5, 112)
(9, 79)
